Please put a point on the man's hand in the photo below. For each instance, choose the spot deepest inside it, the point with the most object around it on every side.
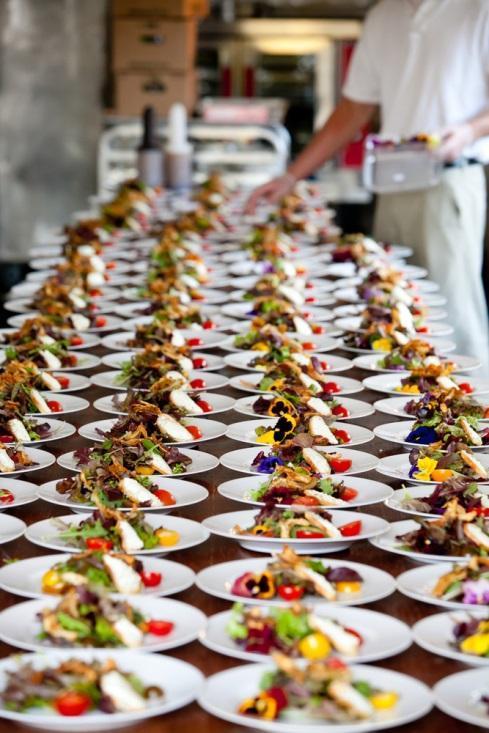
(272, 192)
(454, 140)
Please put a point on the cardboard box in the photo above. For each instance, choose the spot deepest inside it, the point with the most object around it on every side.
(167, 8)
(136, 90)
(148, 43)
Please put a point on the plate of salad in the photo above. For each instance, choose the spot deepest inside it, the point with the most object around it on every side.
(461, 586)
(459, 635)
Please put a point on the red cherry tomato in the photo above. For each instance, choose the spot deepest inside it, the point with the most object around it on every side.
(309, 534)
(306, 501)
(195, 431)
(100, 321)
(6, 496)
(340, 411)
(198, 384)
(348, 494)
(110, 266)
(208, 325)
(165, 497)
(6, 439)
(76, 341)
(95, 293)
(351, 529)
(280, 696)
(204, 406)
(98, 543)
(318, 329)
(481, 511)
(308, 345)
(311, 299)
(340, 465)
(64, 382)
(336, 663)
(324, 366)
(194, 342)
(331, 388)
(342, 435)
(309, 286)
(72, 703)
(290, 592)
(160, 628)
(466, 387)
(422, 329)
(199, 362)
(70, 360)
(151, 579)
(306, 314)
(54, 405)
(355, 633)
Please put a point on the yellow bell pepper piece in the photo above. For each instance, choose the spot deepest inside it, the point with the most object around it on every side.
(382, 344)
(315, 646)
(260, 346)
(52, 582)
(167, 537)
(349, 586)
(145, 470)
(477, 644)
(384, 700)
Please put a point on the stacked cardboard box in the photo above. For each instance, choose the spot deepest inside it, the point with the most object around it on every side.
(154, 44)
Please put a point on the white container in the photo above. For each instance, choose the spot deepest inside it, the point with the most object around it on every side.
(399, 166)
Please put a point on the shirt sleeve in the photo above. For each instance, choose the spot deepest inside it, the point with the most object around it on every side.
(363, 81)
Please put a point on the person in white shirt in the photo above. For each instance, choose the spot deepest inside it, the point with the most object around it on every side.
(425, 64)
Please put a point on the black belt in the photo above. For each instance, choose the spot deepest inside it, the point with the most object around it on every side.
(461, 163)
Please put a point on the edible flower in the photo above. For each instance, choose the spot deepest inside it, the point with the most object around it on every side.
(426, 467)
(382, 344)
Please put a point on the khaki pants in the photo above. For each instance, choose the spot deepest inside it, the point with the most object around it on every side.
(445, 227)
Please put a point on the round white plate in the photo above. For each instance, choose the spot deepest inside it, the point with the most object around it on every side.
(221, 323)
(109, 380)
(243, 360)
(225, 691)
(208, 296)
(387, 383)
(115, 361)
(396, 432)
(24, 492)
(25, 305)
(249, 381)
(395, 406)
(350, 295)
(210, 429)
(218, 402)
(83, 361)
(41, 458)
(246, 282)
(223, 524)
(383, 636)
(217, 580)
(321, 343)
(112, 322)
(24, 577)
(27, 289)
(370, 362)
(58, 429)
(245, 311)
(241, 460)
(45, 533)
(68, 403)
(186, 493)
(397, 499)
(369, 492)
(321, 299)
(398, 466)
(201, 462)
(11, 528)
(347, 311)
(209, 339)
(460, 696)
(244, 432)
(356, 408)
(89, 340)
(441, 346)
(180, 681)
(419, 583)
(328, 329)
(77, 382)
(435, 634)
(435, 330)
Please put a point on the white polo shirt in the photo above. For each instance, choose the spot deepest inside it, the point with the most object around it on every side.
(426, 64)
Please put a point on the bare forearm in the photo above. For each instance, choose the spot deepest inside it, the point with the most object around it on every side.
(480, 124)
(339, 129)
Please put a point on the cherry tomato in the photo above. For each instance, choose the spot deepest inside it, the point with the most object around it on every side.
(481, 511)
(466, 387)
(204, 406)
(311, 299)
(351, 529)
(308, 345)
(309, 286)
(208, 325)
(355, 633)
(348, 494)
(340, 465)
(76, 341)
(336, 663)
(324, 366)
(306, 501)
(340, 411)
(6, 439)
(151, 579)
(72, 703)
(195, 431)
(306, 315)
(54, 405)
(422, 329)
(309, 534)
(100, 321)
(64, 382)
(194, 342)
(95, 293)
(290, 592)
(342, 435)
(318, 329)
(98, 543)
(110, 266)
(199, 362)
(331, 388)
(92, 307)
(70, 360)
(6, 496)
(160, 628)
(198, 384)
(165, 497)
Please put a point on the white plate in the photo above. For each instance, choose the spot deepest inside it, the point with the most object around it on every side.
(349, 270)
(459, 696)
(441, 346)
(27, 289)
(83, 361)
(223, 524)
(396, 432)
(419, 583)
(45, 533)
(20, 627)
(321, 343)
(115, 361)
(181, 683)
(249, 381)
(109, 380)
(221, 323)
(243, 359)
(383, 636)
(387, 384)
(217, 580)
(68, 403)
(24, 492)
(42, 459)
(11, 528)
(435, 634)
(246, 282)
(241, 460)
(328, 329)
(25, 305)
(218, 402)
(369, 362)
(24, 577)
(201, 462)
(397, 499)
(209, 296)
(225, 691)
(112, 323)
(89, 340)
(369, 492)
(350, 295)
(395, 406)
(245, 311)
(356, 408)
(58, 429)
(320, 299)
(435, 330)
(210, 429)
(398, 466)
(244, 432)
(346, 311)
(209, 339)
(77, 382)
(308, 267)
(186, 493)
